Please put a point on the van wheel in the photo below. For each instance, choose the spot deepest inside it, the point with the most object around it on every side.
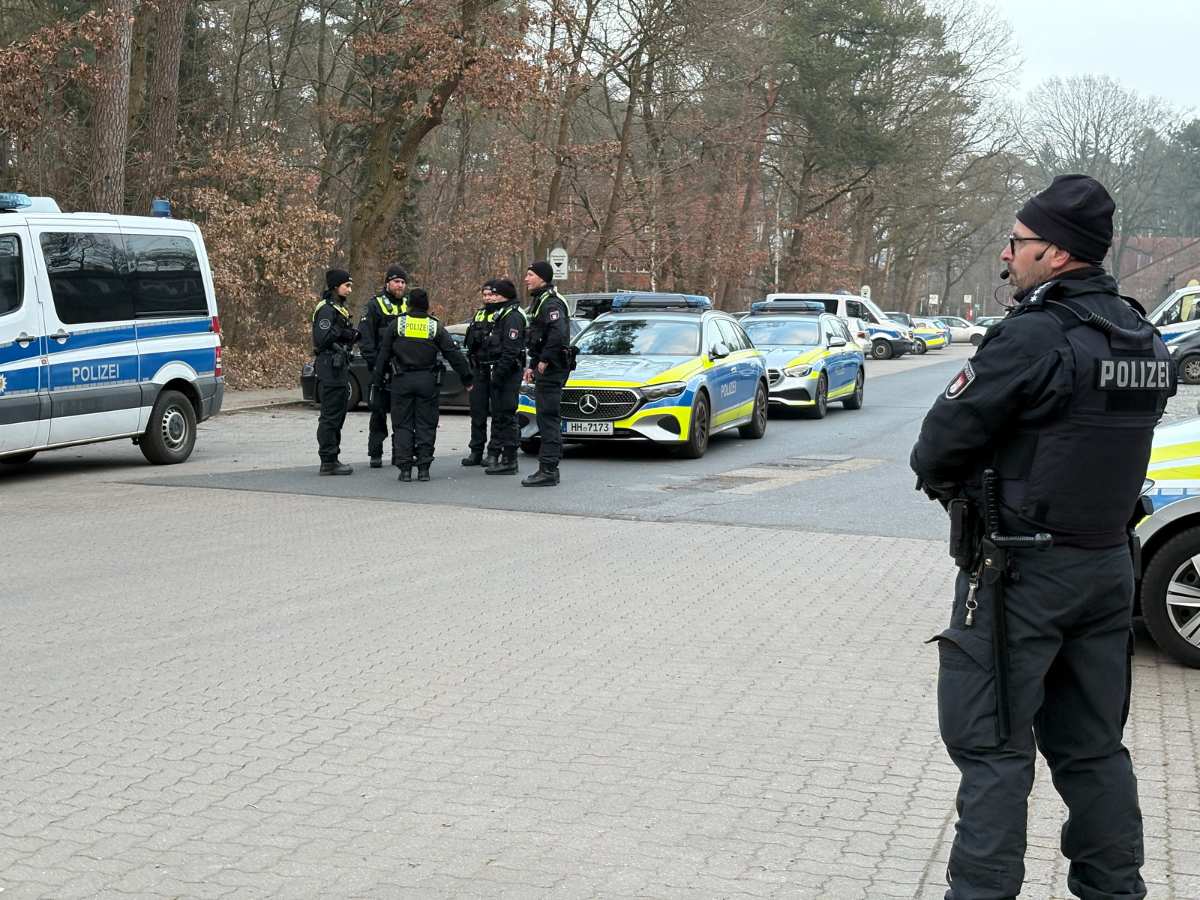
(18, 459)
(171, 432)
(881, 350)
(355, 395)
(1189, 370)
(1169, 589)
(697, 441)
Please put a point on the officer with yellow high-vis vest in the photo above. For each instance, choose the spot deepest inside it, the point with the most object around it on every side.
(410, 349)
(334, 335)
(474, 340)
(378, 315)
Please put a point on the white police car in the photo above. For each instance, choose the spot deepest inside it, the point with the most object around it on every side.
(108, 330)
(1169, 580)
(665, 368)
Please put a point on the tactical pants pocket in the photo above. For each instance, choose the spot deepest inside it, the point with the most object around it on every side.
(966, 690)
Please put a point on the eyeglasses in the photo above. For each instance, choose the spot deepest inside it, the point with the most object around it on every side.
(1013, 240)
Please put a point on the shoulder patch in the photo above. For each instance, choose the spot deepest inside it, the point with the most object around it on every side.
(960, 382)
(513, 334)
(324, 324)
(554, 315)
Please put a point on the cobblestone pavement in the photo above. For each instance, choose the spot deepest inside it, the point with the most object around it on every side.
(234, 693)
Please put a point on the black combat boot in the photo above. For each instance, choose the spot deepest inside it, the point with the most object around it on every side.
(335, 468)
(489, 461)
(543, 477)
(405, 473)
(506, 465)
(423, 472)
(376, 462)
(474, 458)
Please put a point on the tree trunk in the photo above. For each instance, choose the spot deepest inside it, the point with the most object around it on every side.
(614, 199)
(110, 113)
(164, 101)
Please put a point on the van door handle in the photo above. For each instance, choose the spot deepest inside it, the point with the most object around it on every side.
(25, 339)
(60, 335)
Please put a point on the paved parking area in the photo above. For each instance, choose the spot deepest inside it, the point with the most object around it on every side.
(247, 692)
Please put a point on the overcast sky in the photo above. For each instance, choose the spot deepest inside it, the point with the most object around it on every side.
(1151, 46)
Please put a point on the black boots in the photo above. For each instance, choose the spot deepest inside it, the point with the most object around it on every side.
(506, 465)
(335, 468)
(376, 462)
(474, 458)
(543, 477)
(423, 472)
(406, 473)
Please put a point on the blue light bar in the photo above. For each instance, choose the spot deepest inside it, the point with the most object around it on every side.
(10, 200)
(654, 300)
(800, 307)
(160, 207)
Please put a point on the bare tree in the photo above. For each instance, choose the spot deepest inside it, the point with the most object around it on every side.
(110, 112)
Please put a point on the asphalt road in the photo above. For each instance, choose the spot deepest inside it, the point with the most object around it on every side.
(847, 473)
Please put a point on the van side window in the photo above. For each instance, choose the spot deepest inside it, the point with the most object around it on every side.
(855, 310)
(12, 276)
(165, 276)
(87, 279)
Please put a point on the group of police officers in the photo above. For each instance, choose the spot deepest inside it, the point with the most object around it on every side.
(401, 344)
(1037, 448)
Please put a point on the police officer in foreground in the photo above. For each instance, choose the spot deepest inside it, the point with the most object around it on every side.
(1038, 447)
(549, 367)
(504, 354)
(411, 349)
(379, 314)
(480, 397)
(334, 335)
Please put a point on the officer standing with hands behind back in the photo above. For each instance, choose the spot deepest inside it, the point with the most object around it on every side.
(378, 315)
(549, 367)
(480, 398)
(504, 348)
(1038, 448)
(334, 335)
(411, 349)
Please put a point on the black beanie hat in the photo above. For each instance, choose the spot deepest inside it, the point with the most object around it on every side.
(505, 288)
(488, 285)
(395, 271)
(1074, 213)
(543, 270)
(418, 300)
(335, 278)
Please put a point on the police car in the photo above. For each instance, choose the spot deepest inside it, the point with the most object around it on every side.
(1169, 583)
(812, 358)
(888, 339)
(108, 330)
(665, 368)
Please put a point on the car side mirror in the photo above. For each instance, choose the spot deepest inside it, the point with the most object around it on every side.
(837, 342)
(720, 350)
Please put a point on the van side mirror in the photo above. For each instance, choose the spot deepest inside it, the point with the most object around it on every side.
(720, 350)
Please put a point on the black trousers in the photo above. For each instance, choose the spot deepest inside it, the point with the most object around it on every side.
(415, 410)
(378, 429)
(334, 387)
(548, 389)
(480, 399)
(505, 393)
(1069, 646)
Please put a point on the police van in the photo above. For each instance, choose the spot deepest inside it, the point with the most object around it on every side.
(108, 330)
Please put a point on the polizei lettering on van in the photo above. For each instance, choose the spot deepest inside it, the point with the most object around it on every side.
(1134, 374)
(98, 372)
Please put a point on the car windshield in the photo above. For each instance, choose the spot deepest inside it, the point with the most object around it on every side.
(788, 332)
(641, 337)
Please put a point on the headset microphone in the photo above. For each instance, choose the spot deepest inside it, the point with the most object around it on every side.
(1038, 258)
(1004, 274)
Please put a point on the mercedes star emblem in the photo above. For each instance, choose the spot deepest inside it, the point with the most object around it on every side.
(589, 405)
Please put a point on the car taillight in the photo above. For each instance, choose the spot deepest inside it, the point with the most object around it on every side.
(217, 366)
(215, 324)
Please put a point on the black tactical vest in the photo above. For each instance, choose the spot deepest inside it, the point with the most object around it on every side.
(1079, 475)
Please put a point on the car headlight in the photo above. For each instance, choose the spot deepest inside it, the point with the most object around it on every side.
(798, 371)
(658, 391)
